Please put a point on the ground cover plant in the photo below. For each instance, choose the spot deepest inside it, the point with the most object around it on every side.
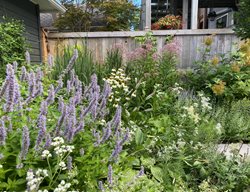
(130, 126)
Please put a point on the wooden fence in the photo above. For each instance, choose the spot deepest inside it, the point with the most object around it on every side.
(191, 40)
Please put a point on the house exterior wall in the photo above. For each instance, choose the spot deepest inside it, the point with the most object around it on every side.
(29, 13)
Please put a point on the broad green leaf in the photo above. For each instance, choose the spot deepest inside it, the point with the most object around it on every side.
(157, 173)
(139, 136)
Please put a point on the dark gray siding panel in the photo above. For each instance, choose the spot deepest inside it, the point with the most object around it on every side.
(29, 13)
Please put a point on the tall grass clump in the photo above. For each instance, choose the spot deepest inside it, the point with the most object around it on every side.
(84, 66)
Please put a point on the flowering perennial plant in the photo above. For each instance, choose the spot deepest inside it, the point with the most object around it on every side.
(168, 22)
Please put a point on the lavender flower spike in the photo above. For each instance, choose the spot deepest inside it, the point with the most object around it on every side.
(10, 89)
(110, 176)
(25, 142)
(23, 74)
(69, 163)
(100, 186)
(42, 131)
(27, 57)
(50, 60)
(116, 122)
(51, 97)
(116, 151)
(3, 133)
(106, 133)
(48, 141)
(141, 172)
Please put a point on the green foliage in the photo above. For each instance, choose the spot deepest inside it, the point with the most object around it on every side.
(12, 42)
(80, 16)
(84, 66)
(226, 77)
(74, 19)
(242, 16)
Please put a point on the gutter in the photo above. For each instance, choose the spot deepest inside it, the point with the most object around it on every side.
(58, 6)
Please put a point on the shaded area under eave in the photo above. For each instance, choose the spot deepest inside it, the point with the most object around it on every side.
(212, 3)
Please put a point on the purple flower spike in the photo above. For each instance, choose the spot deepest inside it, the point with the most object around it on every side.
(51, 97)
(15, 64)
(141, 172)
(70, 64)
(42, 131)
(50, 60)
(27, 57)
(100, 186)
(116, 122)
(3, 133)
(10, 89)
(39, 74)
(69, 163)
(126, 136)
(106, 133)
(59, 85)
(110, 176)
(116, 151)
(32, 84)
(25, 142)
(48, 141)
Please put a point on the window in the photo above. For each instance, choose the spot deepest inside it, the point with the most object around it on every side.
(222, 21)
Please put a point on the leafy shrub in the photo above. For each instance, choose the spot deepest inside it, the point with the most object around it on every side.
(224, 77)
(242, 19)
(168, 22)
(12, 42)
(84, 66)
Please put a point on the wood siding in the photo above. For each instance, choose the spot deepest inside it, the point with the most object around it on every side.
(191, 40)
(29, 13)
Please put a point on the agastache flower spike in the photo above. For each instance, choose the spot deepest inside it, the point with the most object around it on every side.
(116, 151)
(51, 97)
(100, 186)
(70, 64)
(25, 142)
(15, 64)
(106, 133)
(61, 119)
(32, 84)
(116, 122)
(3, 133)
(39, 74)
(110, 176)
(59, 85)
(42, 131)
(50, 60)
(4, 88)
(141, 172)
(126, 136)
(23, 74)
(10, 89)
(27, 57)
(69, 163)
(48, 141)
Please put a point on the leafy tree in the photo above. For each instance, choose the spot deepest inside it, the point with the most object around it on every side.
(81, 14)
(243, 19)
(12, 42)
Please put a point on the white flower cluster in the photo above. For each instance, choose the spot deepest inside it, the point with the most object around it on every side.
(191, 113)
(118, 82)
(35, 178)
(205, 102)
(62, 187)
(1, 166)
(177, 89)
(57, 141)
(62, 165)
(59, 148)
(46, 154)
(218, 128)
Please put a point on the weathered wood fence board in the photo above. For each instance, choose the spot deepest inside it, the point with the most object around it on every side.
(191, 40)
